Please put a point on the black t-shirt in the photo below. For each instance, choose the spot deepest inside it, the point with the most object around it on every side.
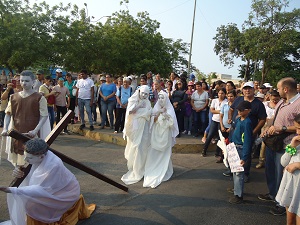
(258, 110)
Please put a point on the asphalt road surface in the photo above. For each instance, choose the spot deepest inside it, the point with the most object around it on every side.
(196, 194)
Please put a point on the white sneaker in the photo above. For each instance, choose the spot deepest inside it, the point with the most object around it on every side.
(184, 132)
(189, 133)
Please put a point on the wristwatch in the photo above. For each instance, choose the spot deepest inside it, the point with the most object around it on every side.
(284, 128)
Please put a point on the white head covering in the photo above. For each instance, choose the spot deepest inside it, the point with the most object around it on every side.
(133, 101)
(170, 111)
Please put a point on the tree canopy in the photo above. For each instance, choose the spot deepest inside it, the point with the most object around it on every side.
(268, 43)
(39, 36)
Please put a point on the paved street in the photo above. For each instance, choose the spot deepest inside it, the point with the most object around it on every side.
(196, 194)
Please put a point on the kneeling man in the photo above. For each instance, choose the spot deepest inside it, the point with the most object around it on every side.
(50, 194)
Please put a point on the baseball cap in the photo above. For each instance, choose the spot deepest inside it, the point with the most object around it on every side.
(58, 71)
(267, 85)
(102, 78)
(243, 105)
(248, 84)
(259, 95)
(262, 87)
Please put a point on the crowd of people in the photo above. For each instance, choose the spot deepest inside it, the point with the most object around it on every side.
(262, 120)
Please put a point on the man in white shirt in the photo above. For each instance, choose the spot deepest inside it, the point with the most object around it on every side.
(85, 98)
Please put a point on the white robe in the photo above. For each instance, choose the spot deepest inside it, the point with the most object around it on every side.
(159, 166)
(136, 131)
(47, 192)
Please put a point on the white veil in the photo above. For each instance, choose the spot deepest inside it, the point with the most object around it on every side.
(133, 101)
(170, 111)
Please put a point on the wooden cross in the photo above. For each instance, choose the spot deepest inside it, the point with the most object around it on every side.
(49, 140)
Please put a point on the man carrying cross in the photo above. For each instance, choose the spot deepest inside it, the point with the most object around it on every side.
(26, 112)
(50, 194)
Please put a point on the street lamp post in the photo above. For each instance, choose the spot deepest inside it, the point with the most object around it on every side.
(192, 35)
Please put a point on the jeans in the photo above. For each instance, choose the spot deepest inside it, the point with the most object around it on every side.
(107, 106)
(94, 112)
(210, 114)
(85, 103)
(274, 170)
(238, 177)
(61, 110)
(199, 118)
(2, 115)
(51, 116)
(120, 119)
(213, 131)
(188, 120)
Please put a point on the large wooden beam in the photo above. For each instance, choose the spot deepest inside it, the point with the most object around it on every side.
(19, 136)
(49, 140)
(59, 127)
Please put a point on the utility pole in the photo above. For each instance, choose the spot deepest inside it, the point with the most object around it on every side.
(191, 44)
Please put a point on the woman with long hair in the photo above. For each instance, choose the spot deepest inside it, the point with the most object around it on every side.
(215, 108)
(178, 99)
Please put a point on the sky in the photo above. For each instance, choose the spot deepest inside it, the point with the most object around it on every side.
(176, 17)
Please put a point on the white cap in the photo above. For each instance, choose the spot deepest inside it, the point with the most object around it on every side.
(248, 84)
(259, 95)
(268, 85)
(58, 71)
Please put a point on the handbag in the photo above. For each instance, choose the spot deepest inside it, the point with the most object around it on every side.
(51, 98)
(275, 142)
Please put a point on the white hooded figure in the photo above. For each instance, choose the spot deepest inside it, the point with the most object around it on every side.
(136, 131)
(164, 129)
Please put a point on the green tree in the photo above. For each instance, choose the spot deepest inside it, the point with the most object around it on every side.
(279, 31)
(63, 35)
(270, 39)
(24, 35)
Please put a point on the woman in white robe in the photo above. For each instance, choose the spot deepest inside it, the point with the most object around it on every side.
(136, 131)
(164, 129)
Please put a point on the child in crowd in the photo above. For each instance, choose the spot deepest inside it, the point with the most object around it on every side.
(242, 138)
(289, 191)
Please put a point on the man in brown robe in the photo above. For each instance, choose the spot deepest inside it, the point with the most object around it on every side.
(26, 112)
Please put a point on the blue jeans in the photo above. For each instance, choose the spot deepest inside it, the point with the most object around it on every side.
(51, 116)
(107, 106)
(213, 131)
(199, 118)
(274, 170)
(188, 120)
(94, 112)
(238, 177)
(210, 114)
(85, 103)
